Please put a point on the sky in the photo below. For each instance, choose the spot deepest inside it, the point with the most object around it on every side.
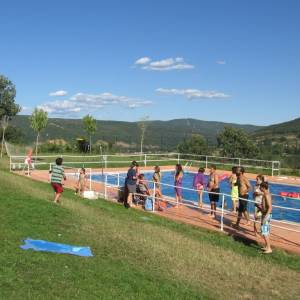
(226, 60)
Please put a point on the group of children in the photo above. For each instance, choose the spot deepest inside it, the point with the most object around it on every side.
(240, 189)
(135, 183)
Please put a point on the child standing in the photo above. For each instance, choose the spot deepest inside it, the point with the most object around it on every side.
(258, 195)
(198, 184)
(234, 189)
(266, 216)
(80, 188)
(213, 188)
(157, 179)
(57, 175)
(178, 183)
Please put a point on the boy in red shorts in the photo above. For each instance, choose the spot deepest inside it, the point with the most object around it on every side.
(57, 175)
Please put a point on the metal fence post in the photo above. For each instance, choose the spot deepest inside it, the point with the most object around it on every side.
(105, 187)
(145, 160)
(90, 179)
(153, 198)
(206, 162)
(222, 212)
(10, 163)
(178, 158)
(239, 162)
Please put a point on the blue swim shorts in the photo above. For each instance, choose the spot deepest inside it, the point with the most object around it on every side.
(265, 226)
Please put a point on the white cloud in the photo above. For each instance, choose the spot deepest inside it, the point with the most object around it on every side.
(193, 93)
(58, 93)
(221, 62)
(166, 64)
(81, 103)
(26, 110)
(142, 61)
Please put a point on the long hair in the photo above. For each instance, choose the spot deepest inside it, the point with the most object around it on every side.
(178, 169)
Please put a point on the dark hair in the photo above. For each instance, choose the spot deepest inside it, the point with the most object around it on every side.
(59, 161)
(157, 169)
(261, 177)
(178, 169)
(213, 167)
(234, 169)
(264, 185)
(141, 176)
(242, 170)
(83, 169)
(201, 169)
(134, 164)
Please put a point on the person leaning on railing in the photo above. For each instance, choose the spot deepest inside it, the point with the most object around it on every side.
(130, 183)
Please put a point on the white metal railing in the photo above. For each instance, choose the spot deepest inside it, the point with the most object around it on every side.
(147, 158)
(222, 211)
(75, 174)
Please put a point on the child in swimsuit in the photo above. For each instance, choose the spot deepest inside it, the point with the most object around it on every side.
(213, 188)
(178, 183)
(266, 216)
(157, 179)
(234, 189)
(80, 188)
(198, 184)
(258, 195)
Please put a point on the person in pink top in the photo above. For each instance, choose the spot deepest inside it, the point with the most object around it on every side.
(198, 184)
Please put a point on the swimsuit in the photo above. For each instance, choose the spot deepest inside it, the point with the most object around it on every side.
(258, 203)
(212, 196)
(243, 203)
(178, 186)
(156, 179)
(234, 190)
(265, 226)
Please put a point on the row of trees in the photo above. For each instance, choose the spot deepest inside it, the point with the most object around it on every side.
(232, 142)
(39, 121)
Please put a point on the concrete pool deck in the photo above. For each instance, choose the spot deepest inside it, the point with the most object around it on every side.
(287, 240)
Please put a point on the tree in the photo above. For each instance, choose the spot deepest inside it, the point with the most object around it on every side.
(142, 124)
(196, 144)
(38, 122)
(90, 126)
(13, 135)
(8, 107)
(234, 142)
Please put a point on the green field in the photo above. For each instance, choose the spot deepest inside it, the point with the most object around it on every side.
(137, 255)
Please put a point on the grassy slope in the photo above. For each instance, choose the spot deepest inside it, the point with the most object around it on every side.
(135, 257)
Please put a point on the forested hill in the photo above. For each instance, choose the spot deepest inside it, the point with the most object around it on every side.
(162, 134)
(287, 130)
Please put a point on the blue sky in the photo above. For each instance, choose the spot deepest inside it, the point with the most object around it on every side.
(233, 61)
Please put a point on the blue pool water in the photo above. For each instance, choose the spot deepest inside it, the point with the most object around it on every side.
(168, 178)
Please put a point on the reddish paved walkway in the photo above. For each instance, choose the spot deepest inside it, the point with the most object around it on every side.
(284, 239)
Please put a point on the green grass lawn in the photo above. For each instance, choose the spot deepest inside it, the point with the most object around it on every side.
(137, 255)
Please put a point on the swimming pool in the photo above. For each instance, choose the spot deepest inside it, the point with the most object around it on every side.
(168, 178)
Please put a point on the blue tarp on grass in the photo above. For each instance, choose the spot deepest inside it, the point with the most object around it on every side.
(40, 245)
